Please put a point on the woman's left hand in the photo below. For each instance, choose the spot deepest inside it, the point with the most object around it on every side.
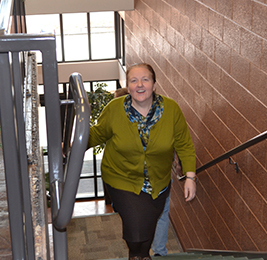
(190, 187)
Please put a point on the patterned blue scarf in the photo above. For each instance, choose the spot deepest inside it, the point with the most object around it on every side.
(144, 126)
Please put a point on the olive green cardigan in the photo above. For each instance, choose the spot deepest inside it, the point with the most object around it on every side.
(122, 165)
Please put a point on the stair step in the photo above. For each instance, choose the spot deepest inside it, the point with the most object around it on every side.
(194, 256)
(186, 256)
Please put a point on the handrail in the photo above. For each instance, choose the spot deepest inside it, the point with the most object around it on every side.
(233, 151)
(65, 197)
(63, 189)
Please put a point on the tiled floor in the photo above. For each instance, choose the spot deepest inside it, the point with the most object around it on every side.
(88, 208)
(81, 209)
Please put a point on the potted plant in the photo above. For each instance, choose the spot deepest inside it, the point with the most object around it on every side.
(98, 99)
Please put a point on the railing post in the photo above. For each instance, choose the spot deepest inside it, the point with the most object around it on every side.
(11, 160)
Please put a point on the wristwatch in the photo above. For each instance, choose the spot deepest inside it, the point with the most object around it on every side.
(192, 178)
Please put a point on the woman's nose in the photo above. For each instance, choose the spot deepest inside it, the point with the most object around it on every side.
(140, 83)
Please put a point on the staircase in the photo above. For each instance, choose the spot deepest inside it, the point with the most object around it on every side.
(195, 256)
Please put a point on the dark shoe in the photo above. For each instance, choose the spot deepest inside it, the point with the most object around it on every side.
(147, 258)
(135, 258)
(157, 255)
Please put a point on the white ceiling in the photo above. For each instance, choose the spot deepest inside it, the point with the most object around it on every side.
(35, 7)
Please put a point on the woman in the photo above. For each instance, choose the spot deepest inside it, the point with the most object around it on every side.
(141, 130)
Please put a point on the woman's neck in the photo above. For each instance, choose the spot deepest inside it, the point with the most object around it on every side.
(143, 109)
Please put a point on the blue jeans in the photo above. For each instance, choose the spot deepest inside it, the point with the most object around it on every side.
(161, 234)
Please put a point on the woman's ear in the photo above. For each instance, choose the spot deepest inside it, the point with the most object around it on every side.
(155, 86)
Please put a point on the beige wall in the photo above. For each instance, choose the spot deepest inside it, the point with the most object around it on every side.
(90, 71)
(211, 57)
(70, 6)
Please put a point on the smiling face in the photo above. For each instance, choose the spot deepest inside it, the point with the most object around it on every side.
(141, 85)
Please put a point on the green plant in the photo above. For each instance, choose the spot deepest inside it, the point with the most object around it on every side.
(98, 99)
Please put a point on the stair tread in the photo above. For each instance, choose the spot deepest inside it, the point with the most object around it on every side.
(194, 256)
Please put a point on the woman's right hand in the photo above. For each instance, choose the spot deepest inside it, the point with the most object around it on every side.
(190, 187)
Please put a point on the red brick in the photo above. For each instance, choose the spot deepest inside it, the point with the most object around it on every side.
(180, 5)
(200, 62)
(194, 80)
(222, 55)
(189, 52)
(208, 44)
(242, 13)
(232, 35)
(170, 36)
(261, 120)
(257, 84)
(240, 69)
(211, 3)
(202, 15)
(225, 7)
(259, 150)
(213, 74)
(238, 96)
(162, 27)
(175, 19)
(195, 34)
(184, 26)
(264, 56)
(207, 93)
(216, 24)
(166, 13)
(179, 42)
(251, 46)
(183, 68)
(190, 9)
(259, 19)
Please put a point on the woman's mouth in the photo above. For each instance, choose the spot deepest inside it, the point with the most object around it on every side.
(141, 91)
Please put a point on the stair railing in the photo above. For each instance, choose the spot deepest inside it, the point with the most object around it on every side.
(63, 199)
(231, 152)
(63, 187)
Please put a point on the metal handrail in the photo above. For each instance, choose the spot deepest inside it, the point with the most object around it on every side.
(63, 186)
(64, 198)
(233, 151)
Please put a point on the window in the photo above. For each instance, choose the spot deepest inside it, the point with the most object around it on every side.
(79, 36)
(48, 23)
(102, 34)
(75, 37)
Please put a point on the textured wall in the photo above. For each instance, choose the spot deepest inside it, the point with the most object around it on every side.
(36, 176)
(211, 57)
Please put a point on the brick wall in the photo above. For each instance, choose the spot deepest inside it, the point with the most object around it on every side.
(211, 57)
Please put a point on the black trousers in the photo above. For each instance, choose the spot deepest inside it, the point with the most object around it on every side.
(139, 213)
